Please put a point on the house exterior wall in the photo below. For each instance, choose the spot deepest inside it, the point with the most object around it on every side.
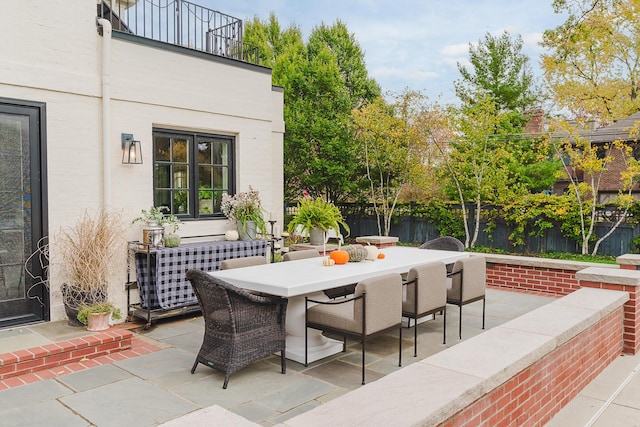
(55, 56)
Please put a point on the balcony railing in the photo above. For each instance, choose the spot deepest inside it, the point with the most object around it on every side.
(180, 23)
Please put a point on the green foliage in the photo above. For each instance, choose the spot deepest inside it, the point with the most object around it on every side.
(322, 80)
(592, 64)
(316, 213)
(157, 214)
(532, 214)
(500, 70)
(104, 307)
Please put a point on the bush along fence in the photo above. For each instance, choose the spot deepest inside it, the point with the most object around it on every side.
(416, 223)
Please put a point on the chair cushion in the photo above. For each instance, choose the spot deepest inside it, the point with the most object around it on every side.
(339, 316)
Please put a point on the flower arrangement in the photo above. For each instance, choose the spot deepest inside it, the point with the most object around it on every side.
(243, 207)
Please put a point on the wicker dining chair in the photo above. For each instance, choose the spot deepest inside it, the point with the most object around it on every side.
(468, 284)
(426, 293)
(239, 328)
(375, 307)
(445, 243)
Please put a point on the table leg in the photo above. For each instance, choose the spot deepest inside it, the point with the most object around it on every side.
(319, 345)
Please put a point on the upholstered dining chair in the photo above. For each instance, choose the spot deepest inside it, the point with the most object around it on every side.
(426, 293)
(304, 254)
(239, 328)
(312, 253)
(375, 307)
(468, 284)
(246, 261)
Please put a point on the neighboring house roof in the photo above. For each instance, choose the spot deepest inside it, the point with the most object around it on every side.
(618, 131)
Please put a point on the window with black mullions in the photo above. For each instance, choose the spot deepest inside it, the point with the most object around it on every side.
(191, 172)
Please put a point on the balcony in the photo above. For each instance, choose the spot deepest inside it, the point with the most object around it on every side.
(180, 23)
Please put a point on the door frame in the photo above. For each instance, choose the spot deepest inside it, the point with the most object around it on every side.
(38, 297)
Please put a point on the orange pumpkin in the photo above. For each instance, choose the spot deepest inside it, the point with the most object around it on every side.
(340, 256)
(380, 255)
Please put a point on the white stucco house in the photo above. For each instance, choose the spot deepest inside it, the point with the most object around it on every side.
(77, 77)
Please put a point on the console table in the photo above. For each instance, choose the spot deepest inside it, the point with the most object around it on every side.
(161, 274)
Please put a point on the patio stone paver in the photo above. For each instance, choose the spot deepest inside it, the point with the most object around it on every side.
(295, 395)
(47, 413)
(128, 402)
(343, 374)
(100, 375)
(619, 415)
(30, 394)
(156, 364)
(255, 412)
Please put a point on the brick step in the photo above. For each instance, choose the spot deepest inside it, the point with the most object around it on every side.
(49, 356)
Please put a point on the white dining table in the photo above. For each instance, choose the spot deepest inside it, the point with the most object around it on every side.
(309, 277)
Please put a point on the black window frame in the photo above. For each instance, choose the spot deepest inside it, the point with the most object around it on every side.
(193, 138)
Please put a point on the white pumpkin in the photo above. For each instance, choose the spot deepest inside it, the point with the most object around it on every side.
(372, 252)
(231, 235)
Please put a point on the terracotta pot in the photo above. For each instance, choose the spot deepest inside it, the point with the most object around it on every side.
(98, 321)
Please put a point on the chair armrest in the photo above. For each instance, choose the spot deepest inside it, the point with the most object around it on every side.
(259, 299)
(408, 282)
(454, 273)
(333, 302)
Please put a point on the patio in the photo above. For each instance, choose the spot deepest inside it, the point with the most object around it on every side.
(157, 387)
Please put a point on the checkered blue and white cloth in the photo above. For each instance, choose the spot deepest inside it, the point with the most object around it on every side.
(163, 284)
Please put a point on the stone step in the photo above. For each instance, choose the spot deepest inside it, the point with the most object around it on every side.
(49, 356)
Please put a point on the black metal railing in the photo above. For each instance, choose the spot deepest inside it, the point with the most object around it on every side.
(181, 23)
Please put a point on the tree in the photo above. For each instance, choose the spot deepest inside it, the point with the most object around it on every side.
(593, 69)
(501, 71)
(388, 136)
(475, 161)
(592, 161)
(350, 59)
(323, 80)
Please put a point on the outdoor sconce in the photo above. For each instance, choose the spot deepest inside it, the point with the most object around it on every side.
(131, 150)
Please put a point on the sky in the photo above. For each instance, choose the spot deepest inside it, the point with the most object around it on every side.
(412, 44)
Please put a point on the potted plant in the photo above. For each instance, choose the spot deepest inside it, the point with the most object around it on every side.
(246, 210)
(315, 217)
(96, 316)
(154, 230)
(91, 251)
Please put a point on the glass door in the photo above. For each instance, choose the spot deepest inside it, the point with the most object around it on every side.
(22, 298)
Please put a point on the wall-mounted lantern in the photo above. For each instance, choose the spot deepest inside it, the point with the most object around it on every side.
(131, 150)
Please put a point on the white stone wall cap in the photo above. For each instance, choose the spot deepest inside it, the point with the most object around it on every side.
(377, 240)
(557, 264)
(415, 395)
(628, 259)
(495, 355)
(604, 275)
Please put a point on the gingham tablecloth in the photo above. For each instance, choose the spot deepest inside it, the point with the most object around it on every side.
(164, 283)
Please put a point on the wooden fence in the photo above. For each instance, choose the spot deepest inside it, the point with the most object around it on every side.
(411, 229)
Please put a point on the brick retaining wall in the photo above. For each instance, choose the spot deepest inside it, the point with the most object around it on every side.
(536, 394)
